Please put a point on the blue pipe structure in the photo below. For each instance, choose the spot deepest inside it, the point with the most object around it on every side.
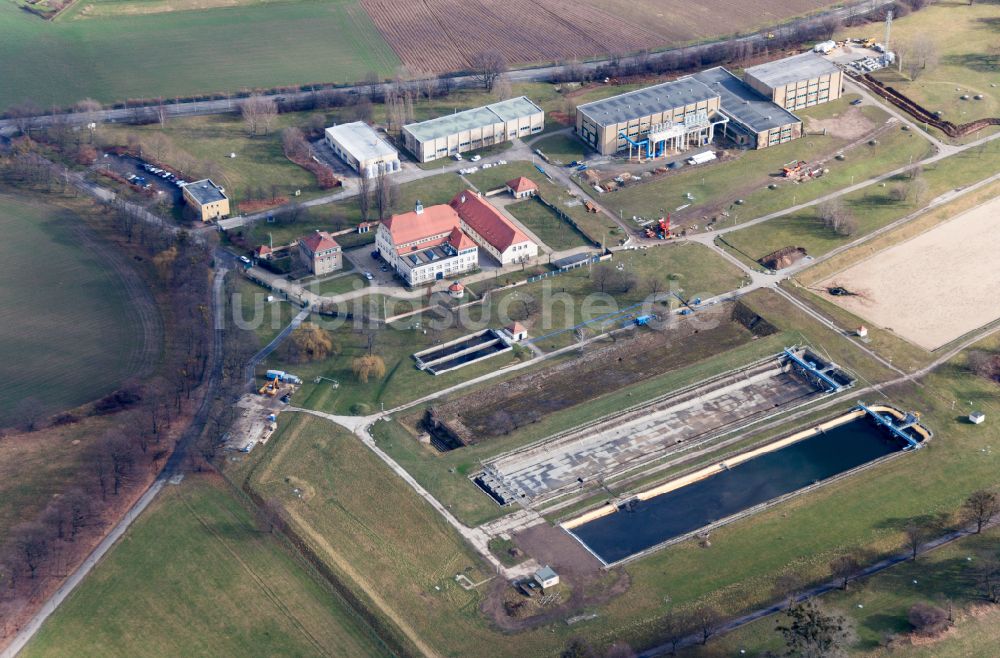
(812, 370)
(881, 420)
(636, 144)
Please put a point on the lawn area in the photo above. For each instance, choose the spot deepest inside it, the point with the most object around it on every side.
(546, 224)
(266, 319)
(878, 607)
(716, 186)
(969, 62)
(598, 228)
(67, 334)
(183, 53)
(204, 144)
(339, 285)
(195, 575)
(872, 207)
(562, 149)
(688, 269)
(396, 345)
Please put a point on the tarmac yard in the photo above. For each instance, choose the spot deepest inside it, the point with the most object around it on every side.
(590, 454)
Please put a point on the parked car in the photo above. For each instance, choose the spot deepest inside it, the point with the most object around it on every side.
(245, 259)
(368, 275)
(856, 101)
(476, 158)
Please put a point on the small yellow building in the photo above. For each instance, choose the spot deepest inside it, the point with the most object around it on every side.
(208, 199)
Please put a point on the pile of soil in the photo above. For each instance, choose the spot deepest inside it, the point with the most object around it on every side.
(782, 258)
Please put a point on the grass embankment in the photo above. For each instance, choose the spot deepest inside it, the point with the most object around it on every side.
(181, 53)
(716, 186)
(266, 319)
(67, 334)
(878, 607)
(872, 207)
(968, 62)
(597, 227)
(562, 149)
(195, 575)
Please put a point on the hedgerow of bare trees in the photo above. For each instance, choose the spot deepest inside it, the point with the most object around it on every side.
(258, 114)
(487, 67)
(837, 218)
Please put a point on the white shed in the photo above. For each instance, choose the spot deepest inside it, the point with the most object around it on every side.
(977, 417)
(546, 577)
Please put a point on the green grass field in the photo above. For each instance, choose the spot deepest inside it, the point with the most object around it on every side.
(185, 52)
(561, 149)
(872, 207)
(547, 226)
(598, 228)
(66, 333)
(878, 607)
(197, 576)
(965, 36)
(259, 169)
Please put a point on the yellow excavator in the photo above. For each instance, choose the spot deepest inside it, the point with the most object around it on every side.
(271, 388)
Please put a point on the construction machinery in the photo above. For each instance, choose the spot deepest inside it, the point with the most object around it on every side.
(590, 206)
(271, 388)
(792, 169)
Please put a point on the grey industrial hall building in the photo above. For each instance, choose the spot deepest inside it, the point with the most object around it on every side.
(754, 121)
(798, 81)
(473, 129)
(676, 115)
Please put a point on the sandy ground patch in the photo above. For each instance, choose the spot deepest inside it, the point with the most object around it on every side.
(934, 288)
(849, 124)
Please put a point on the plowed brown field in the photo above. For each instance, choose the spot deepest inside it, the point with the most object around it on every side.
(441, 35)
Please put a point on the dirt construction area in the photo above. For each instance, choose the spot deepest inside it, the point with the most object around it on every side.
(934, 288)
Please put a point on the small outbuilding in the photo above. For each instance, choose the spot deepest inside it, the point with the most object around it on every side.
(456, 290)
(522, 187)
(516, 331)
(546, 577)
(977, 417)
(862, 331)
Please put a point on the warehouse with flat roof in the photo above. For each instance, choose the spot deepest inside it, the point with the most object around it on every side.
(798, 81)
(360, 146)
(671, 116)
(473, 129)
(208, 200)
(754, 120)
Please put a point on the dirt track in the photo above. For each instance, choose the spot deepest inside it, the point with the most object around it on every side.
(934, 288)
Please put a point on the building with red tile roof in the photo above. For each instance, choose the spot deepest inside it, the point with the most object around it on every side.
(522, 187)
(320, 252)
(426, 244)
(488, 227)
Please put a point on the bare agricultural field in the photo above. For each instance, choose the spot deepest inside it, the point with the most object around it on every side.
(441, 35)
(934, 288)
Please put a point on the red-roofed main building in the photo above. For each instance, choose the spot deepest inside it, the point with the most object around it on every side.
(426, 244)
(491, 230)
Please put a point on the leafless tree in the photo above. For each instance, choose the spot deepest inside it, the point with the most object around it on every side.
(837, 218)
(984, 364)
(487, 67)
(987, 572)
(364, 196)
(844, 567)
(980, 508)
(294, 144)
(373, 85)
(918, 55)
(386, 194)
(916, 532)
(672, 627)
(32, 542)
(502, 88)
(258, 114)
(706, 618)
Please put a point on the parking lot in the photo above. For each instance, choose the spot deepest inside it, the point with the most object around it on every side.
(135, 171)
